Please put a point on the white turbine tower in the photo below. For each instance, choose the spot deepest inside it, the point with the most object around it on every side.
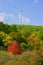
(20, 15)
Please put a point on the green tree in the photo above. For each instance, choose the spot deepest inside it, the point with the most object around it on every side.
(2, 35)
(1, 26)
(16, 36)
(24, 46)
(13, 28)
(7, 28)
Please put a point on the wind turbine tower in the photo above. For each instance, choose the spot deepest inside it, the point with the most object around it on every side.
(20, 16)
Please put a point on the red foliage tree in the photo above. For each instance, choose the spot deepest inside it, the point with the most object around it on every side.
(14, 48)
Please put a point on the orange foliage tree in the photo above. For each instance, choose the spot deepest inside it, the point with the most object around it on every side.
(14, 48)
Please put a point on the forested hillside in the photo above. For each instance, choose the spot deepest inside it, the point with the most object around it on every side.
(26, 39)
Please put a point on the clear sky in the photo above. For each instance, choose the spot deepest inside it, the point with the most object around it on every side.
(32, 11)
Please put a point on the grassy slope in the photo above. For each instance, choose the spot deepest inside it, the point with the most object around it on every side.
(27, 58)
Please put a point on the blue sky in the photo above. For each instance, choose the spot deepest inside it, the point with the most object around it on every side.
(32, 11)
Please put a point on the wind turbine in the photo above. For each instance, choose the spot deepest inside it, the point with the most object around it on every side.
(19, 15)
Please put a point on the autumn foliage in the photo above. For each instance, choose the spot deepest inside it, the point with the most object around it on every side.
(14, 48)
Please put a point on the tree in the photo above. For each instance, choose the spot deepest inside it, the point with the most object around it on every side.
(7, 40)
(14, 48)
(2, 35)
(13, 28)
(1, 26)
(25, 32)
(7, 28)
(34, 41)
(24, 46)
(16, 36)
